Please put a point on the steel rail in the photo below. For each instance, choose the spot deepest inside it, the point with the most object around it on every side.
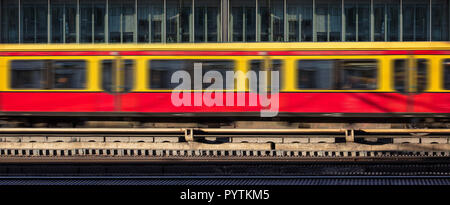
(212, 130)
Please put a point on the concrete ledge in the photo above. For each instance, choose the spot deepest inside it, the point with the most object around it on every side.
(317, 140)
(295, 140)
(435, 140)
(363, 147)
(166, 139)
(406, 140)
(134, 146)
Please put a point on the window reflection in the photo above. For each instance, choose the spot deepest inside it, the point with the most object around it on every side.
(161, 71)
(337, 74)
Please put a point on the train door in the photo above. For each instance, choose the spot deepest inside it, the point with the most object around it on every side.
(410, 78)
(117, 78)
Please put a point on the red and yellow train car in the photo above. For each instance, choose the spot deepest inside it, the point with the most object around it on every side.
(373, 79)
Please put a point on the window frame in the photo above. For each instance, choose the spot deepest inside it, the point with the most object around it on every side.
(48, 86)
(444, 73)
(122, 61)
(148, 69)
(335, 83)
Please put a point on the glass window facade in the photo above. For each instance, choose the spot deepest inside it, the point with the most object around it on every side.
(173, 21)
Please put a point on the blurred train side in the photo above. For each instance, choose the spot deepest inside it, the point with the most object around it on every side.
(143, 101)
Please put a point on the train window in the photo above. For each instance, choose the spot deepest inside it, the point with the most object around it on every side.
(258, 65)
(422, 65)
(69, 74)
(108, 75)
(358, 74)
(161, 71)
(400, 66)
(447, 74)
(128, 69)
(315, 74)
(28, 74)
(337, 74)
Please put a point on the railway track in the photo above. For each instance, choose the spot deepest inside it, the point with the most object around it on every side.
(228, 181)
(220, 144)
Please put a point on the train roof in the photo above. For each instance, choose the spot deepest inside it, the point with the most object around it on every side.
(256, 46)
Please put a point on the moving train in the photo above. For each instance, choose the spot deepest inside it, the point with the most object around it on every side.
(347, 80)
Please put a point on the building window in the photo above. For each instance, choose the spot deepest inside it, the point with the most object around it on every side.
(173, 21)
(34, 21)
(150, 20)
(328, 20)
(207, 20)
(161, 71)
(10, 21)
(92, 21)
(416, 18)
(121, 22)
(63, 21)
(357, 20)
(337, 74)
(243, 20)
(178, 20)
(386, 20)
(439, 20)
(271, 20)
(299, 20)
